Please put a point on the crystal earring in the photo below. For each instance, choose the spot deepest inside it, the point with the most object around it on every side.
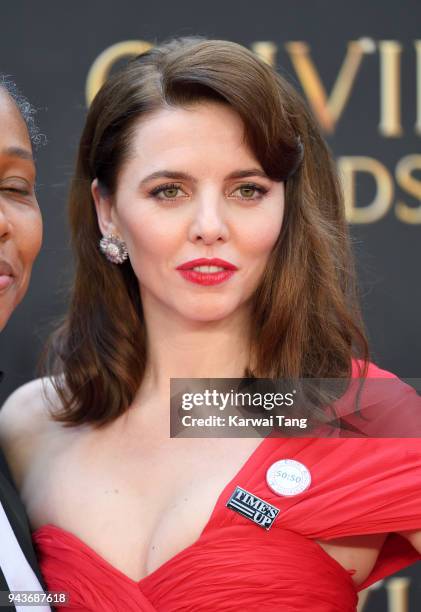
(114, 249)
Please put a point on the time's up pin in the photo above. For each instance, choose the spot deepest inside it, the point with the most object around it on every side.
(288, 477)
(252, 507)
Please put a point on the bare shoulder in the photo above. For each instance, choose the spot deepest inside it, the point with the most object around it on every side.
(24, 419)
(28, 408)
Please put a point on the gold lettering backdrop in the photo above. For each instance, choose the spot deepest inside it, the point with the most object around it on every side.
(328, 109)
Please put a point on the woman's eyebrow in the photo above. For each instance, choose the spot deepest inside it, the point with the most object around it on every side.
(175, 174)
(245, 173)
(17, 152)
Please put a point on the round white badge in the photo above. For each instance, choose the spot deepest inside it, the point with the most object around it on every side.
(288, 477)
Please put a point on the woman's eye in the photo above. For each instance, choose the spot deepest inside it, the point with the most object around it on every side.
(166, 192)
(16, 187)
(23, 192)
(249, 190)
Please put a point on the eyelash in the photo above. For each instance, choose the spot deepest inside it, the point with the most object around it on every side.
(157, 190)
(21, 192)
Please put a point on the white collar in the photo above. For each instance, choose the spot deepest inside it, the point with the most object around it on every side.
(18, 573)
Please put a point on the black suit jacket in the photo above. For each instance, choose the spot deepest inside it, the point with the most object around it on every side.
(16, 515)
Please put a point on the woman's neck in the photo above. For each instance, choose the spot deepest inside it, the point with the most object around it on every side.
(180, 348)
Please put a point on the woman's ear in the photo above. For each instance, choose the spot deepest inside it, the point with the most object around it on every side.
(104, 209)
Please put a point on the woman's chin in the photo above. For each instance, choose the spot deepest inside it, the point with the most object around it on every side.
(207, 314)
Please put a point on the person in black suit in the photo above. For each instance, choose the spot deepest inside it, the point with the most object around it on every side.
(20, 241)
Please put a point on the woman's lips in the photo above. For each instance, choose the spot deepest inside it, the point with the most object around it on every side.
(214, 271)
(206, 278)
(5, 281)
(6, 275)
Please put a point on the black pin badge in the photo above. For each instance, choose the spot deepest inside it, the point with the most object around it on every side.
(252, 507)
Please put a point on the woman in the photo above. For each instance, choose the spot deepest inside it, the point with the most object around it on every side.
(20, 217)
(198, 154)
(20, 241)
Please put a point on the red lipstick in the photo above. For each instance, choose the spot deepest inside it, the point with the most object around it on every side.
(207, 277)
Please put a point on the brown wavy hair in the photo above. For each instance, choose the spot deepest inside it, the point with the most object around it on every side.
(305, 319)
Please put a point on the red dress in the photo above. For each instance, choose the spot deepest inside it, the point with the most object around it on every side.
(358, 486)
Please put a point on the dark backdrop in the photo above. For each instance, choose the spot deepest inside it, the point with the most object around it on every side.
(49, 48)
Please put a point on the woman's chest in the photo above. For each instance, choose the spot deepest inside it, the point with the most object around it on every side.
(135, 509)
(138, 509)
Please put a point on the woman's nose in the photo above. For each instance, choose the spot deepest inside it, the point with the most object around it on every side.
(209, 223)
(4, 223)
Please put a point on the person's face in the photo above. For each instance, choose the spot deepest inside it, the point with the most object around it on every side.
(20, 218)
(208, 198)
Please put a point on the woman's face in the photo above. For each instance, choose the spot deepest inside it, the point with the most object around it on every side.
(20, 218)
(192, 189)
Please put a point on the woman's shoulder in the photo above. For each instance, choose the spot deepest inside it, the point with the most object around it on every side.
(373, 370)
(24, 419)
(387, 405)
(29, 406)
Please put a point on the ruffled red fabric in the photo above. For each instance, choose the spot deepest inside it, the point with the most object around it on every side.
(228, 569)
(359, 486)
